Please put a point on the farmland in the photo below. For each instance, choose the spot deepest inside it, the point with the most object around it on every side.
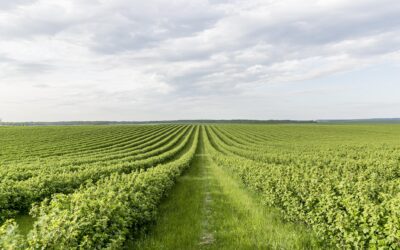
(187, 186)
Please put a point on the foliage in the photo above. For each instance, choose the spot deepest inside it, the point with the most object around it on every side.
(102, 214)
(347, 189)
(10, 237)
(18, 193)
(92, 186)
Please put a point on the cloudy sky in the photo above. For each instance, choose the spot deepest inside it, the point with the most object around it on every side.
(217, 59)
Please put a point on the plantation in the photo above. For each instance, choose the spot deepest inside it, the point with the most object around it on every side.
(217, 186)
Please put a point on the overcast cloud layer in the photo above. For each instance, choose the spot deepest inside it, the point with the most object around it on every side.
(156, 59)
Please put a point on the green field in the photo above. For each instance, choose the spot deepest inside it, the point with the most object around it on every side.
(217, 186)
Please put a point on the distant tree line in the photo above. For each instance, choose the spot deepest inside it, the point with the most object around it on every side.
(358, 121)
(237, 121)
(71, 123)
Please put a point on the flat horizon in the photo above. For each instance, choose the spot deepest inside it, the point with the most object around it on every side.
(188, 120)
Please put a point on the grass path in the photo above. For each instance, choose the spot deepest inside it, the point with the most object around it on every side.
(209, 209)
(180, 222)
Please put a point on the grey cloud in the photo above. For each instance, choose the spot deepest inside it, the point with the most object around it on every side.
(7, 4)
(33, 67)
(145, 24)
(17, 67)
(41, 86)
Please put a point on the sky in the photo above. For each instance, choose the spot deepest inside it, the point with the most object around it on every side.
(163, 60)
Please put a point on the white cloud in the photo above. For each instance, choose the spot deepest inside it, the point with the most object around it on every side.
(131, 53)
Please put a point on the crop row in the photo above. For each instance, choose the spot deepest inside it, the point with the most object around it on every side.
(68, 145)
(100, 215)
(17, 196)
(352, 202)
(136, 151)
